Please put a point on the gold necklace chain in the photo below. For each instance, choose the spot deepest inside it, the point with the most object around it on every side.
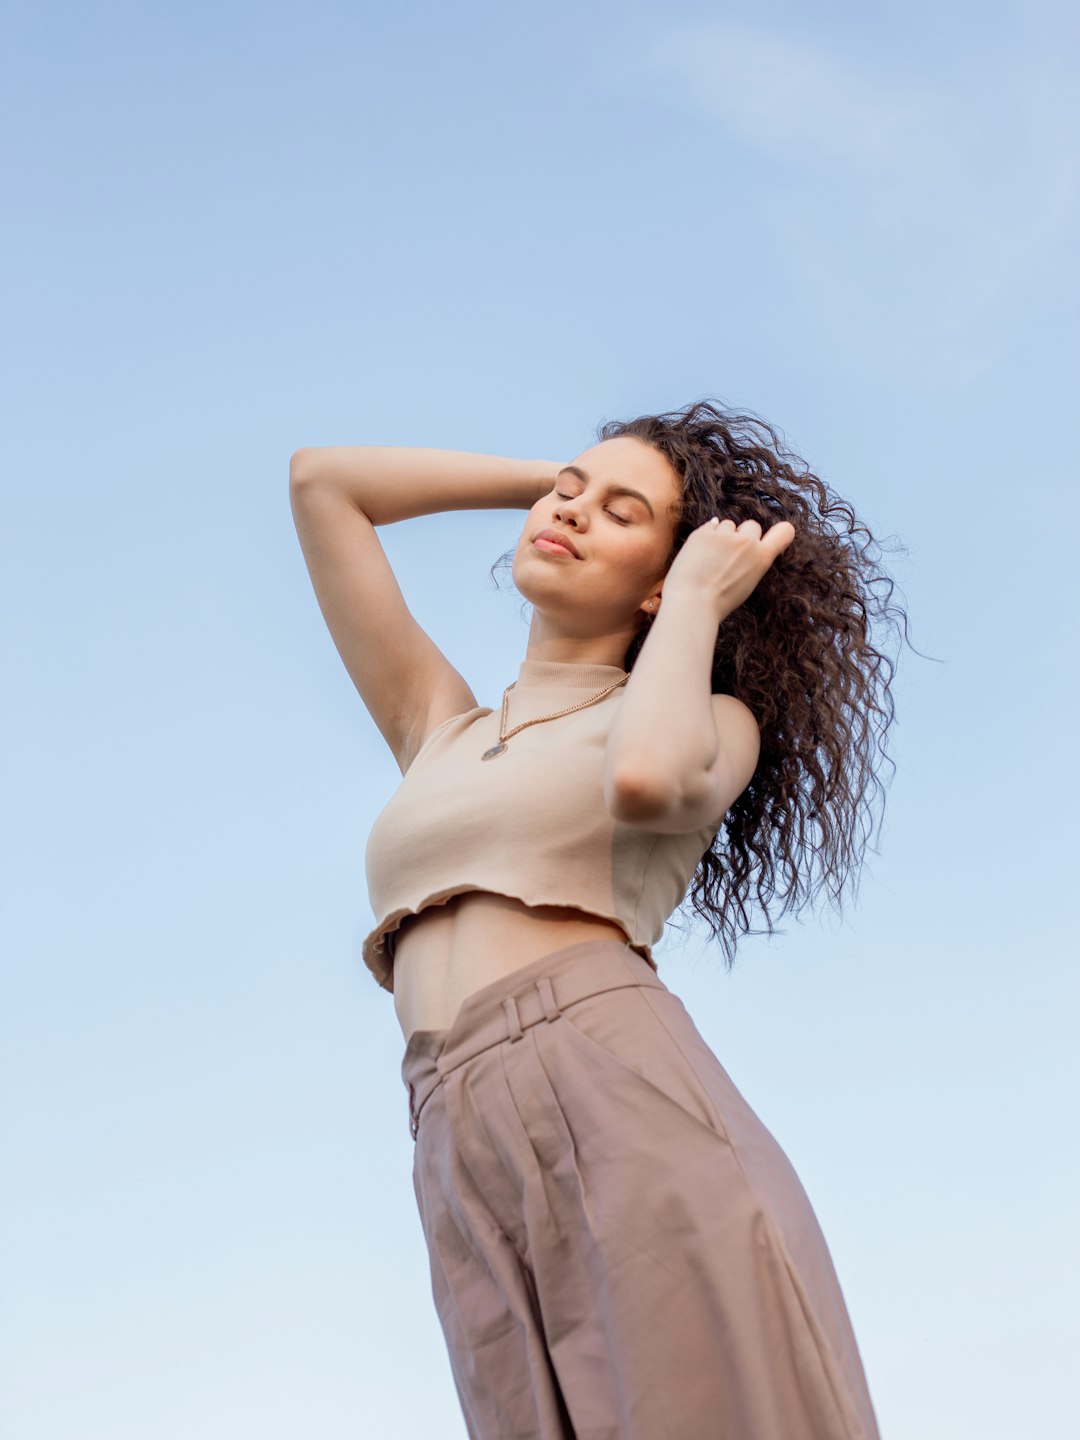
(504, 734)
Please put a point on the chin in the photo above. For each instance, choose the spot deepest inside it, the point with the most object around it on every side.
(524, 572)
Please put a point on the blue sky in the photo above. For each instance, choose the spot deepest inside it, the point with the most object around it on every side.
(235, 230)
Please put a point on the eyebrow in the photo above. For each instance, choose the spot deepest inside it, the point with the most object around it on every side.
(613, 489)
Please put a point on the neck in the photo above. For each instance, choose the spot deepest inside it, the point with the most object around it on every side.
(576, 655)
(577, 649)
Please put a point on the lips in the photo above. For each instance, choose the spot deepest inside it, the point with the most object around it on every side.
(559, 537)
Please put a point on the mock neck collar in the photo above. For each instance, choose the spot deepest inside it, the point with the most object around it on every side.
(565, 674)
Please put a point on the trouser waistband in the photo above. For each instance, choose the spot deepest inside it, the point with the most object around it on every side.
(509, 1006)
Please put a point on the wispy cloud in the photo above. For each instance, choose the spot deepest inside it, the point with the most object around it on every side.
(917, 207)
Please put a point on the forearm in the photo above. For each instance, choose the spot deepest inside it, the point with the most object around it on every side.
(397, 482)
(664, 734)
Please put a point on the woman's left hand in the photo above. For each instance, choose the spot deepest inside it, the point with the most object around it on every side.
(722, 562)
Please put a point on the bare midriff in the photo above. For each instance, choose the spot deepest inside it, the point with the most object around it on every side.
(447, 951)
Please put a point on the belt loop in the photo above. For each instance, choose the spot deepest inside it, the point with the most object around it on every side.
(414, 1119)
(513, 1019)
(547, 998)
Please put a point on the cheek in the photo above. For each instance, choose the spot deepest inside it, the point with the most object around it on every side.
(538, 517)
(644, 551)
(632, 562)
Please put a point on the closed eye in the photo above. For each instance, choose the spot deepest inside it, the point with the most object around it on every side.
(622, 519)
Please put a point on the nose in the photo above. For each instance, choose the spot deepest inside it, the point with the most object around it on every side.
(566, 512)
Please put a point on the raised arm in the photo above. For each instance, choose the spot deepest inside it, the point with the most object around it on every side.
(339, 494)
(390, 482)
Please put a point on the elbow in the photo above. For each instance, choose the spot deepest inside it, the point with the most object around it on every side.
(300, 465)
(632, 799)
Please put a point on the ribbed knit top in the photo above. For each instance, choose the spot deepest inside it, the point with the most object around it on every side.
(530, 823)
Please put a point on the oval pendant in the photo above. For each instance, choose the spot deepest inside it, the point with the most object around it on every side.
(495, 750)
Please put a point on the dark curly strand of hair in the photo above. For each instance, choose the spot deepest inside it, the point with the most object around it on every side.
(799, 652)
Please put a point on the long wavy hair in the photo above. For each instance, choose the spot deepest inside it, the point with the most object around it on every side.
(800, 652)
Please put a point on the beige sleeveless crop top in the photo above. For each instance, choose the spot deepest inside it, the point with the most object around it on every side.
(529, 823)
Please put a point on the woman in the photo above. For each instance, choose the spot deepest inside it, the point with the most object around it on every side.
(619, 1247)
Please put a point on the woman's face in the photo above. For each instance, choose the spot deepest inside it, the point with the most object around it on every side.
(623, 540)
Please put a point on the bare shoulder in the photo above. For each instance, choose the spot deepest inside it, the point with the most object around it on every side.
(739, 722)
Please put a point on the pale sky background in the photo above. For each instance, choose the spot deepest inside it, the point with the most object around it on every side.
(235, 229)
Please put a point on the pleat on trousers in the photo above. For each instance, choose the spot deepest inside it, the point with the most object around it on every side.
(620, 1249)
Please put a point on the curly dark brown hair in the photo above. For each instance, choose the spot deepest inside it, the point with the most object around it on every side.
(800, 652)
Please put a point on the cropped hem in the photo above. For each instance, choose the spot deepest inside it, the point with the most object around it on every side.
(381, 964)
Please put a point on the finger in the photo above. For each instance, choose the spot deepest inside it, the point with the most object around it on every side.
(779, 536)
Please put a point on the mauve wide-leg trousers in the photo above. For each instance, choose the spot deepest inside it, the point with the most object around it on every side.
(620, 1249)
